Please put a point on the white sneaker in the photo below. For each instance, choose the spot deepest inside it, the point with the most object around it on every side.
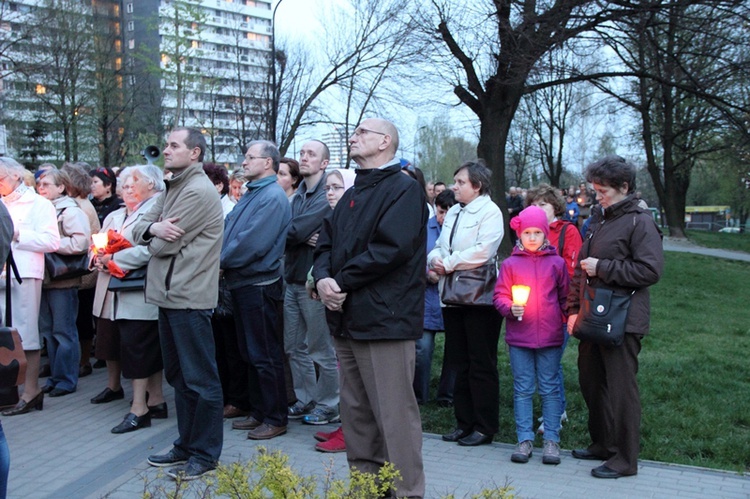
(563, 419)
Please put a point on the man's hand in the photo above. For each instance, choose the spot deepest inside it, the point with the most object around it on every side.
(167, 230)
(330, 294)
(313, 241)
(571, 323)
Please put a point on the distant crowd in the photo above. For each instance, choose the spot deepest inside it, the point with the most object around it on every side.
(288, 290)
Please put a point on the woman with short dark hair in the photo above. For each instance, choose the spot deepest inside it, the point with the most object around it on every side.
(104, 192)
(472, 231)
(622, 252)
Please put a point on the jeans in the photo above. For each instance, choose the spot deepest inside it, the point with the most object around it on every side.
(187, 346)
(256, 317)
(425, 347)
(532, 367)
(563, 400)
(57, 324)
(4, 463)
(308, 344)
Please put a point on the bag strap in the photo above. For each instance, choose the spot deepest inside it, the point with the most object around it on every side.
(561, 241)
(453, 231)
(10, 266)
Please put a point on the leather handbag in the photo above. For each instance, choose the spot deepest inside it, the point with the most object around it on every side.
(472, 286)
(60, 267)
(12, 356)
(134, 280)
(602, 316)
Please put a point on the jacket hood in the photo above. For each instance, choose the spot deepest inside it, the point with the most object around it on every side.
(627, 205)
(545, 250)
(64, 202)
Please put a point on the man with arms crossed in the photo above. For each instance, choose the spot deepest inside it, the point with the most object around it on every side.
(370, 274)
(183, 233)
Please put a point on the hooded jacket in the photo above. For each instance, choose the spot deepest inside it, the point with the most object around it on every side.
(544, 272)
(374, 247)
(628, 244)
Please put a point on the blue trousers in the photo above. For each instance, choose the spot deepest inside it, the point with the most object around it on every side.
(4, 463)
(256, 316)
(57, 324)
(425, 346)
(187, 346)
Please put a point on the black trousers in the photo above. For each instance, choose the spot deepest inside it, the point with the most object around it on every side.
(471, 337)
(610, 388)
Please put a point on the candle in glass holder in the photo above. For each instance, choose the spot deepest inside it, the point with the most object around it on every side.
(520, 295)
(100, 241)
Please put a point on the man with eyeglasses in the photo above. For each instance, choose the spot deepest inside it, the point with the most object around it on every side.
(307, 340)
(254, 239)
(183, 232)
(370, 274)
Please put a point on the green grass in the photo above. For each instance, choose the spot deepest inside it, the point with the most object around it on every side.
(737, 242)
(694, 373)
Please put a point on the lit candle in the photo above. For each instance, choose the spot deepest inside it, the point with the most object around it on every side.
(520, 295)
(100, 241)
(570, 212)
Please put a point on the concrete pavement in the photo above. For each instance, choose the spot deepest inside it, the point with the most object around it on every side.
(67, 451)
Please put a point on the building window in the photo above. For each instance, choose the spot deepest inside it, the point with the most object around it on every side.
(131, 25)
(129, 8)
(131, 43)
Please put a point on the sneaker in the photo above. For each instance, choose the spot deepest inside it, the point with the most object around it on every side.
(335, 444)
(523, 452)
(563, 419)
(171, 458)
(551, 453)
(322, 415)
(190, 471)
(298, 410)
(325, 436)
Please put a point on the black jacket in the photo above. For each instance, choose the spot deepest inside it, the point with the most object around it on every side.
(628, 244)
(374, 246)
(309, 208)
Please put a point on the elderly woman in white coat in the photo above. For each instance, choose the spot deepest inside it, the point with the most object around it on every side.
(134, 319)
(35, 233)
(472, 231)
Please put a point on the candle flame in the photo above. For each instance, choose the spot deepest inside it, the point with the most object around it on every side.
(100, 240)
(520, 294)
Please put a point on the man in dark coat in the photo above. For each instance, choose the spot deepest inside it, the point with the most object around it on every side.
(370, 274)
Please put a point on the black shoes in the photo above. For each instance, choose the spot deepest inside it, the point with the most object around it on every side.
(22, 407)
(47, 388)
(605, 471)
(190, 471)
(132, 423)
(85, 370)
(159, 411)
(108, 395)
(456, 435)
(171, 458)
(476, 438)
(60, 392)
(586, 455)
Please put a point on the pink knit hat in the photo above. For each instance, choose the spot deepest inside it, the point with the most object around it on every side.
(532, 216)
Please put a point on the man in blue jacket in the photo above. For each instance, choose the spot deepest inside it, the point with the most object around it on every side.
(370, 274)
(254, 239)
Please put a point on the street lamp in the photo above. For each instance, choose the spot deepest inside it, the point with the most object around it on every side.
(274, 90)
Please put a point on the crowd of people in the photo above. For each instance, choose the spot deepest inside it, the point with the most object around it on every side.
(289, 290)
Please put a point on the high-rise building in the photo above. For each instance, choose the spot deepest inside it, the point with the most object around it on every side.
(145, 66)
(336, 140)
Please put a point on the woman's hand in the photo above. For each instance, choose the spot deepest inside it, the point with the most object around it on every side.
(437, 266)
(588, 265)
(571, 323)
(101, 261)
(432, 277)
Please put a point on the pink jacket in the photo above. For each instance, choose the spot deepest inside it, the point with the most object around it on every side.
(545, 273)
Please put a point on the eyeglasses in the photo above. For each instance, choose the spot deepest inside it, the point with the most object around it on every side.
(333, 188)
(46, 184)
(359, 131)
(250, 157)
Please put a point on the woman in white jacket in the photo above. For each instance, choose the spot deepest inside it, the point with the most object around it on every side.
(472, 231)
(35, 233)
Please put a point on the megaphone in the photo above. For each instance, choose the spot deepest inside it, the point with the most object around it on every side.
(150, 154)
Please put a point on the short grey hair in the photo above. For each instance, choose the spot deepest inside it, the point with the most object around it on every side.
(12, 166)
(153, 174)
(268, 148)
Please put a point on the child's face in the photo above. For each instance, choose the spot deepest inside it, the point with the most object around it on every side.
(334, 189)
(532, 239)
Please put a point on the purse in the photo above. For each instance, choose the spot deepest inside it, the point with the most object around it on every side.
(60, 267)
(134, 280)
(472, 286)
(12, 356)
(602, 316)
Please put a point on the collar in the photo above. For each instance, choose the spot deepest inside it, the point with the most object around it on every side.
(261, 182)
(17, 193)
(477, 204)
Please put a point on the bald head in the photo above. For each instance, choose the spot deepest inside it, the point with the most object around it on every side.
(386, 127)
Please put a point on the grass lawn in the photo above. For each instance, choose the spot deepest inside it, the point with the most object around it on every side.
(737, 242)
(694, 371)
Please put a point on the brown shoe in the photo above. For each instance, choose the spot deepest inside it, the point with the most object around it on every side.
(231, 411)
(266, 431)
(249, 423)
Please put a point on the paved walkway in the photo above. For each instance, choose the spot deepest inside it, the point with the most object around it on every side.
(67, 450)
(686, 246)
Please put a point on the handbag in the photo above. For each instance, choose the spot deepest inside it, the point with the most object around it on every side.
(472, 286)
(60, 267)
(602, 316)
(12, 356)
(134, 280)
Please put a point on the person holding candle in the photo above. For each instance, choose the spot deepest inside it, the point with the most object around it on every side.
(533, 337)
